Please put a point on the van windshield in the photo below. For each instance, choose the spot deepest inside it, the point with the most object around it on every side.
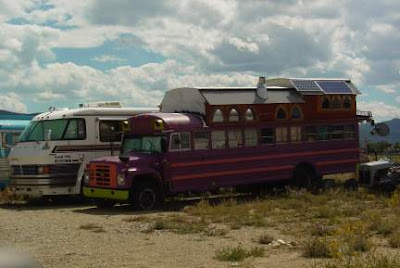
(61, 129)
(147, 144)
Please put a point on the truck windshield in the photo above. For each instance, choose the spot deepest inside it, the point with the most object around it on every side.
(61, 129)
(149, 144)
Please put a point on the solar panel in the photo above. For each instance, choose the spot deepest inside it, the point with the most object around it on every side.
(305, 85)
(335, 87)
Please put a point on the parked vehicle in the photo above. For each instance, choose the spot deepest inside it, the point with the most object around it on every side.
(52, 152)
(11, 126)
(293, 130)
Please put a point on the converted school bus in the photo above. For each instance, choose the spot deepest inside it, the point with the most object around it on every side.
(206, 138)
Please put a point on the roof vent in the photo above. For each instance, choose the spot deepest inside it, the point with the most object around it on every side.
(262, 91)
(105, 104)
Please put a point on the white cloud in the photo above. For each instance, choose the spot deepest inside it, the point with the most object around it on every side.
(108, 58)
(12, 102)
(48, 96)
(380, 110)
(390, 89)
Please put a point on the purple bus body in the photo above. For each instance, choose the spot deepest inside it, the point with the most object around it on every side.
(202, 170)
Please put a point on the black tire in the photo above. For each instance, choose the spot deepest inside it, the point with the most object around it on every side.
(305, 177)
(351, 184)
(146, 196)
(104, 203)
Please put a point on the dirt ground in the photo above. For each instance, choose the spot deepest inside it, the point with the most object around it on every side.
(84, 236)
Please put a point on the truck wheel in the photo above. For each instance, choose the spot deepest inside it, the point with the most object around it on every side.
(305, 177)
(146, 196)
(103, 203)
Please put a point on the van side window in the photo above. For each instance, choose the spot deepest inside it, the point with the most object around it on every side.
(110, 130)
(218, 139)
(201, 140)
(180, 141)
(76, 130)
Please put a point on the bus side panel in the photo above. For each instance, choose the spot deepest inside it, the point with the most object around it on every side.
(201, 171)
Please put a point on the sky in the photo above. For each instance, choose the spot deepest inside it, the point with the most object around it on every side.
(61, 52)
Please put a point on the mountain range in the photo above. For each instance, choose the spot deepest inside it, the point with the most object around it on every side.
(392, 137)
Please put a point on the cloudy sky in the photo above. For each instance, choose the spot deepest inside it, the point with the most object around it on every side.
(62, 52)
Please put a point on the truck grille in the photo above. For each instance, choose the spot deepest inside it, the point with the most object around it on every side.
(24, 170)
(52, 169)
(102, 175)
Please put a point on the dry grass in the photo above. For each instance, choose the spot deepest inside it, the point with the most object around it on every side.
(92, 227)
(265, 239)
(6, 196)
(238, 253)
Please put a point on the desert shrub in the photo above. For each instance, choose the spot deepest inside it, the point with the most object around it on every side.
(317, 247)
(238, 253)
(265, 239)
(394, 239)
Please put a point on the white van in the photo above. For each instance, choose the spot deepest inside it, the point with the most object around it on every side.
(53, 150)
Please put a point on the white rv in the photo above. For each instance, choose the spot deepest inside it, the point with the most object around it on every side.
(53, 150)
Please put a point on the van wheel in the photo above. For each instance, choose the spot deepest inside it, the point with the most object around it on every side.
(305, 177)
(103, 203)
(146, 196)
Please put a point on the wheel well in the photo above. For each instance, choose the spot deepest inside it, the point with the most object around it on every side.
(305, 165)
(146, 179)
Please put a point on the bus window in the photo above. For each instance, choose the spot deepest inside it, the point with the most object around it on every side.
(250, 137)
(295, 134)
(281, 134)
(336, 104)
(323, 133)
(180, 141)
(234, 138)
(249, 115)
(218, 116)
(281, 114)
(233, 116)
(349, 132)
(337, 133)
(310, 134)
(110, 130)
(218, 139)
(201, 140)
(267, 136)
(346, 102)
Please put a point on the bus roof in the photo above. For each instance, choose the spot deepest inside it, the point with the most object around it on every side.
(68, 113)
(268, 91)
(144, 123)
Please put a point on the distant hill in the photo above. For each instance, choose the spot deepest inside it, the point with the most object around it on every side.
(393, 137)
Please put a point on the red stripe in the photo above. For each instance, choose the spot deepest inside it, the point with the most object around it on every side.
(231, 172)
(257, 170)
(263, 157)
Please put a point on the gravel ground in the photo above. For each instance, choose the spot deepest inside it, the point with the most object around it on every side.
(84, 236)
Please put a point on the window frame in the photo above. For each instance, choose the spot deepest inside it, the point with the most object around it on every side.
(180, 142)
(222, 114)
(109, 120)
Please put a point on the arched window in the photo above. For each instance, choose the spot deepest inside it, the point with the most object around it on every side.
(218, 116)
(249, 115)
(281, 113)
(326, 104)
(336, 103)
(296, 113)
(346, 102)
(233, 116)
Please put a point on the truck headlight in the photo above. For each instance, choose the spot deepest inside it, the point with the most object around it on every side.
(43, 170)
(121, 179)
(86, 178)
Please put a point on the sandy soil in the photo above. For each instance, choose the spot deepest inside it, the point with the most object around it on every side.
(53, 234)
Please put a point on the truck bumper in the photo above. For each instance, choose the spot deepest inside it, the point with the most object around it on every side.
(106, 193)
